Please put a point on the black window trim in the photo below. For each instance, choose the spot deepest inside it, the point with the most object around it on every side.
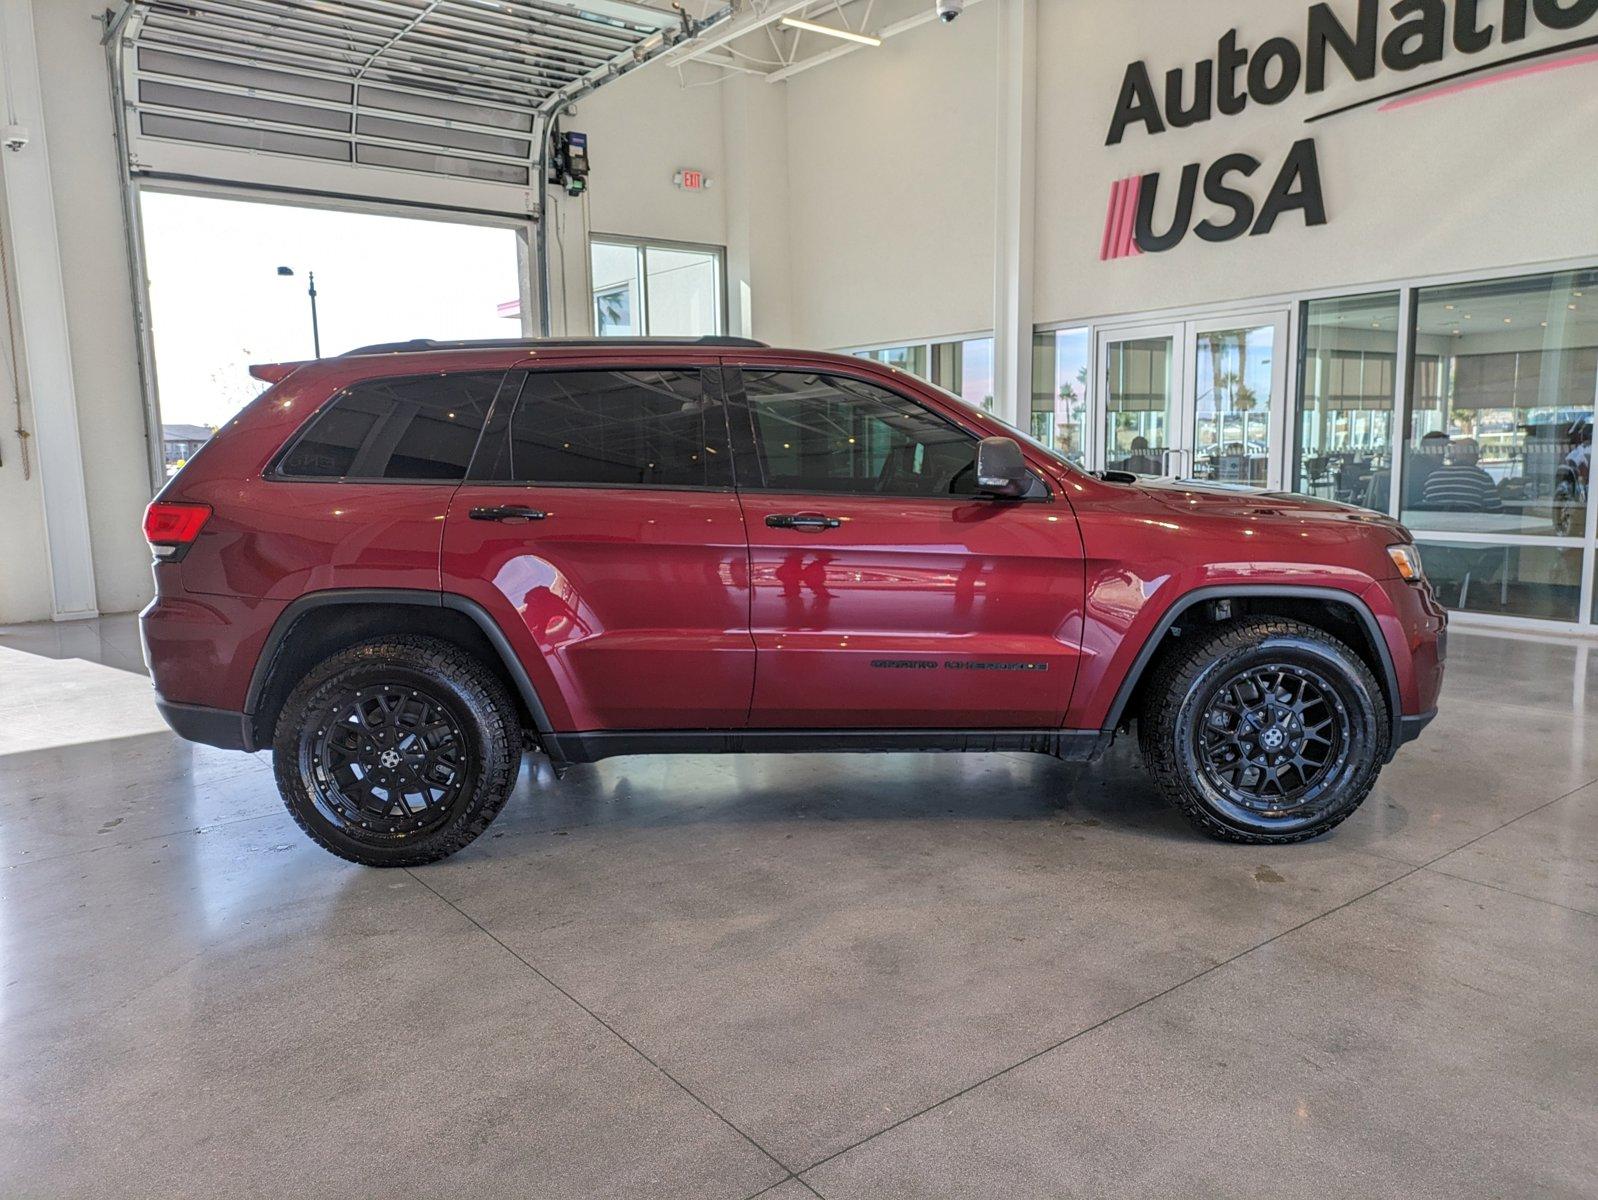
(274, 472)
(737, 397)
(711, 377)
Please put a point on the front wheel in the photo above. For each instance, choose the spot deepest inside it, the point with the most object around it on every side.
(1265, 731)
(397, 752)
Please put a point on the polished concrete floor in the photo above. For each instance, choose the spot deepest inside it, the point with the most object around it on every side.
(883, 976)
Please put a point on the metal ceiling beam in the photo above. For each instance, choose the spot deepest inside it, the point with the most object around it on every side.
(886, 32)
(732, 30)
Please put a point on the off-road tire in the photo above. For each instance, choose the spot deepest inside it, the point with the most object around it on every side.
(476, 702)
(1187, 679)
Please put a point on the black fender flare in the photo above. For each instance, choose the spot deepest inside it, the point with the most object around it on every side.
(345, 597)
(1266, 591)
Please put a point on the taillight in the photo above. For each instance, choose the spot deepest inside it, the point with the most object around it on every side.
(171, 528)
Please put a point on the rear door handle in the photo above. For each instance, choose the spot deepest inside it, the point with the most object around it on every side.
(802, 521)
(508, 512)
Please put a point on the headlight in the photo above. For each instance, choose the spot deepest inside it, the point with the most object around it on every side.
(1407, 559)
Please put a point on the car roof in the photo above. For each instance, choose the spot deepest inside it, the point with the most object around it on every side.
(423, 345)
(428, 355)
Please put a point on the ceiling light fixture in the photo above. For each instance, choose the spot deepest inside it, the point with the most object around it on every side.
(848, 35)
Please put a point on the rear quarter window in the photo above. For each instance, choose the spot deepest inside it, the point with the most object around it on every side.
(419, 428)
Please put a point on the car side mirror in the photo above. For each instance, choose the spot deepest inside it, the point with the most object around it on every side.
(1001, 471)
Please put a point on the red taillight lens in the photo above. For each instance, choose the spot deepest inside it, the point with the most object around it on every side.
(170, 528)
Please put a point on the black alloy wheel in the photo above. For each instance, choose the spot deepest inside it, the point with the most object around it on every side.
(398, 751)
(389, 760)
(1263, 729)
(1273, 737)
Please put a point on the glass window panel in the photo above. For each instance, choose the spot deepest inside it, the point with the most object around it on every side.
(1139, 401)
(1500, 436)
(966, 369)
(1346, 396)
(422, 428)
(617, 274)
(684, 292)
(1520, 580)
(1060, 390)
(822, 433)
(945, 358)
(1232, 406)
(910, 359)
(643, 428)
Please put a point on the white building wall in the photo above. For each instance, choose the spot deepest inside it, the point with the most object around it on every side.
(642, 128)
(857, 202)
(77, 112)
(25, 583)
(1498, 176)
(891, 187)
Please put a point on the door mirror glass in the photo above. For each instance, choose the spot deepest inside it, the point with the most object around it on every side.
(1001, 471)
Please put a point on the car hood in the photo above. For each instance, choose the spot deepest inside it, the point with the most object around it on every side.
(1223, 500)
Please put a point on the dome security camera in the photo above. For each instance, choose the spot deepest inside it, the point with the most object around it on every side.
(948, 10)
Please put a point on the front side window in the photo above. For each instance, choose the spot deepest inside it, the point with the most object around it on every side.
(617, 428)
(827, 433)
(420, 428)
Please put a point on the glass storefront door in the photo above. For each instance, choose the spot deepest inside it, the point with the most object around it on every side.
(1239, 400)
(1140, 400)
(1201, 399)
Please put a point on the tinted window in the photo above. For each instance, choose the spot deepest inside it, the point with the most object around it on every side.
(417, 428)
(821, 433)
(617, 427)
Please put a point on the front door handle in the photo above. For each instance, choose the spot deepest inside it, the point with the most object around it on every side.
(507, 512)
(805, 520)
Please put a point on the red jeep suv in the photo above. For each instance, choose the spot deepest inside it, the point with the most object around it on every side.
(401, 567)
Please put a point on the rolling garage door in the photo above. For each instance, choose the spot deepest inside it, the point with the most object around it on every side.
(424, 101)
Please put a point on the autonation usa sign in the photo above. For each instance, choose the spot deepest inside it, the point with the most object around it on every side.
(1356, 40)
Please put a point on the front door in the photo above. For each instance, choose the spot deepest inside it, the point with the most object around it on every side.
(885, 593)
(1203, 399)
(602, 531)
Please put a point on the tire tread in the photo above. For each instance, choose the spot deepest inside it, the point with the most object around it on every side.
(1169, 686)
(492, 707)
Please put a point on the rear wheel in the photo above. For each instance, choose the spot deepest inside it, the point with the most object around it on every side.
(397, 752)
(1265, 731)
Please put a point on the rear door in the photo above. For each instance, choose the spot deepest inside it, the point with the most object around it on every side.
(601, 529)
(884, 592)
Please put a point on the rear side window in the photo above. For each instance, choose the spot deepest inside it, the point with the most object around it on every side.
(418, 428)
(617, 428)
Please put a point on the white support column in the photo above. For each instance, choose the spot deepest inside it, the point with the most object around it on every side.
(1015, 146)
(42, 315)
(754, 196)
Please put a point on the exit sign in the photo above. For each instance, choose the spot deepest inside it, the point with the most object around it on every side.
(690, 180)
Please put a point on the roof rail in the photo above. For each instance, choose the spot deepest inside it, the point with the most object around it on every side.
(421, 345)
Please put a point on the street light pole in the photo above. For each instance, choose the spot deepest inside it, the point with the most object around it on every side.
(316, 329)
